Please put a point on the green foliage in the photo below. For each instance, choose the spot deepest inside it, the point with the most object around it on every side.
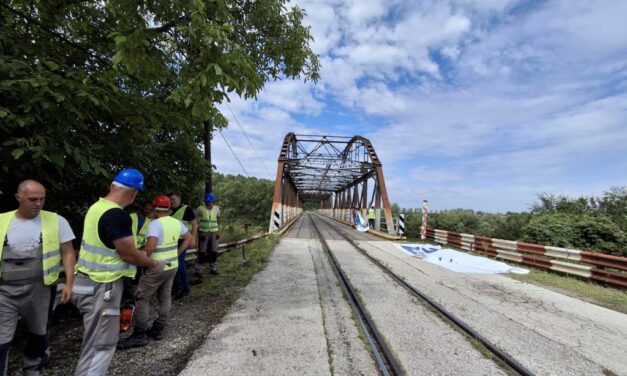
(511, 226)
(311, 205)
(576, 231)
(557, 229)
(87, 88)
(244, 200)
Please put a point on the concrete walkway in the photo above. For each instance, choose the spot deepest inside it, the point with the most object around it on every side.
(276, 327)
(292, 319)
(548, 332)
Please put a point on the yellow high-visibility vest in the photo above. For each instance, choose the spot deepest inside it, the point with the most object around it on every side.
(179, 214)
(208, 221)
(101, 263)
(371, 214)
(49, 238)
(168, 250)
(139, 236)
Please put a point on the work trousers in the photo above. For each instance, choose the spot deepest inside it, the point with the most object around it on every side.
(100, 305)
(182, 277)
(30, 302)
(208, 246)
(153, 283)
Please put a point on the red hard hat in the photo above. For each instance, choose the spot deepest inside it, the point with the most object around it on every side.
(161, 201)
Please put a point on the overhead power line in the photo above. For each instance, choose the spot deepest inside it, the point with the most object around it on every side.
(233, 151)
(249, 142)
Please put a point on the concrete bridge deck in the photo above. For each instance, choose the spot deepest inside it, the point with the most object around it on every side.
(292, 318)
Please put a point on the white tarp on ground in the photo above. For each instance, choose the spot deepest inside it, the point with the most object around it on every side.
(361, 224)
(457, 261)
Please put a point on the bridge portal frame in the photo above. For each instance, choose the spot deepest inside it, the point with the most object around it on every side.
(337, 172)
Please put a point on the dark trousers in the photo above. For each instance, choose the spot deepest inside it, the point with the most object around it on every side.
(182, 277)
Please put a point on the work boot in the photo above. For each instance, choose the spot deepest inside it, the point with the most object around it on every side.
(139, 338)
(156, 331)
(213, 268)
(198, 273)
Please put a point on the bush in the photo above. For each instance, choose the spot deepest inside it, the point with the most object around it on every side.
(576, 231)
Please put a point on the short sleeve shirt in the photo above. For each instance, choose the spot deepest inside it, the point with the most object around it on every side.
(155, 230)
(25, 234)
(114, 224)
(189, 214)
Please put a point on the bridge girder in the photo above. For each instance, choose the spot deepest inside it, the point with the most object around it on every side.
(338, 172)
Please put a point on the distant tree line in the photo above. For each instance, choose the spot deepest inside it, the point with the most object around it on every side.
(596, 223)
(244, 200)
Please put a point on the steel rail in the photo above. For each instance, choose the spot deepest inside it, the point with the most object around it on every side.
(502, 355)
(387, 363)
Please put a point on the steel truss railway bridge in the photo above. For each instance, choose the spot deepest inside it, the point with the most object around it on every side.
(337, 301)
(339, 174)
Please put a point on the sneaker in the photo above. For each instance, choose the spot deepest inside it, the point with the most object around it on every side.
(137, 339)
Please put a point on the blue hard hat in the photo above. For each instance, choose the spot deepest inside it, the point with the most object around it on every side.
(209, 197)
(131, 178)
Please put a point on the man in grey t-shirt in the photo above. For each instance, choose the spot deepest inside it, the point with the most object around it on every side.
(34, 244)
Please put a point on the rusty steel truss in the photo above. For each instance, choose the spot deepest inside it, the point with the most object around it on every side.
(341, 174)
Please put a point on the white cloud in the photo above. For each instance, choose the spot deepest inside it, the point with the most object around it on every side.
(480, 104)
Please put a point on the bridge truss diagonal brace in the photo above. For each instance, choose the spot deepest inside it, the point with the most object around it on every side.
(340, 174)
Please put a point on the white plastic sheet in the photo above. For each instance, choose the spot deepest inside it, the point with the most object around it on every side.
(361, 224)
(457, 261)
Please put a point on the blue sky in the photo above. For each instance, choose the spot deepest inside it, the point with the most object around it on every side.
(470, 104)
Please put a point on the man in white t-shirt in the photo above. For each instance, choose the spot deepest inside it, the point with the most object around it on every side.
(34, 244)
(162, 244)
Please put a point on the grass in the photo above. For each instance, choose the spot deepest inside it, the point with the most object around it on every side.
(235, 231)
(219, 292)
(234, 272)
(608, 297)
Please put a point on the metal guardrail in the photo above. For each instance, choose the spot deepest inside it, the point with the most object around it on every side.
(585, 264)
(224, 247)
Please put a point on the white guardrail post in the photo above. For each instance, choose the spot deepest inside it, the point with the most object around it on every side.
(276, 221)
(401, 224)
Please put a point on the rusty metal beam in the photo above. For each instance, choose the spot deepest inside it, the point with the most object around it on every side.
(333, 170)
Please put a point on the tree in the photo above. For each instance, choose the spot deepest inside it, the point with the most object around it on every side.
(576, 231)
(89, 87)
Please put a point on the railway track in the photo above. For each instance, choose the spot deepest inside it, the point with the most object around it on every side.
(383, 354)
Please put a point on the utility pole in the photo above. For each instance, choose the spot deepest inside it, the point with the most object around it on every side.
(207, 141)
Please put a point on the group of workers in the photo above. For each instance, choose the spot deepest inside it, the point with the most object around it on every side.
(37, 246)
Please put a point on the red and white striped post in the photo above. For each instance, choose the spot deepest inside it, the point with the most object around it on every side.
(425, 220)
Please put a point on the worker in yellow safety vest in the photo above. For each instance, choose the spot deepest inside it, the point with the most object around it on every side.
(208, 216)
(186, 215)
(162, 245)
(371, 217)
(141, 220)
(108, 253)
(34, 244)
